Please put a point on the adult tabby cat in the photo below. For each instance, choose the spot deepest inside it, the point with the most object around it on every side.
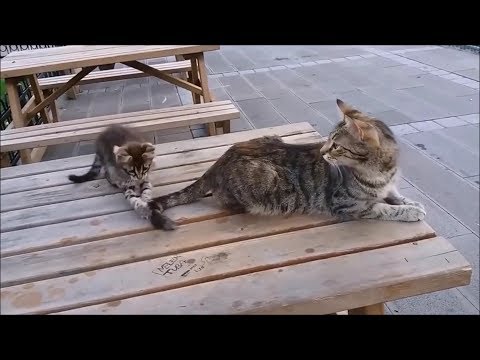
(351, 175)
(126, 158)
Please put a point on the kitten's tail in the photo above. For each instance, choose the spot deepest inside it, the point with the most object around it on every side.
(191, 193)
(91, 174)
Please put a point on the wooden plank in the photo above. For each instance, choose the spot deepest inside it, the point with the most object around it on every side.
(30, 197)
(67, 127)
(316, 287)
(144, 126)
(115, 74)
(78, 57)
(160, 149)
(18, 118)
(117, 116)
(100, 227)
(126, 249)
(164, 76)
(61, 90)
(209, 264)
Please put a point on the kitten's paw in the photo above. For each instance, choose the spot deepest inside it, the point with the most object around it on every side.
(415, 213)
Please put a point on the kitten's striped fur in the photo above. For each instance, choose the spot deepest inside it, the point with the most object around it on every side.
(127, 158)
(353, 175)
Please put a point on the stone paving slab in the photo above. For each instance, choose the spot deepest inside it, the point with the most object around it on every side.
(447, 151)
(446, 188)
(468, 245)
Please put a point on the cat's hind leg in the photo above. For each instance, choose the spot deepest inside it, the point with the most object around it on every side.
(228, 201)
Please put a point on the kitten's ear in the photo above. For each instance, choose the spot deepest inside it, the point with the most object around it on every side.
(121, 154)
(149, 151)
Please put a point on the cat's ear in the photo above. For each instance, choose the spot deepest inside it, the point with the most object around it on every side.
(149, 151)
(344, 107)
(354, 128)
(363, 131)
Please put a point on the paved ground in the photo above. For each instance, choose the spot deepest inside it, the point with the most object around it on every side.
(428, 95)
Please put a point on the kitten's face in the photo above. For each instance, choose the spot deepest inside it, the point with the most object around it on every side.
(135, 159)
(360, 141)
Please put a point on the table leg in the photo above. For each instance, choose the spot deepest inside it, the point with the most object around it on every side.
(182, 75)
(196, 79)
(202, 70)
(18, 117)
(375, 309)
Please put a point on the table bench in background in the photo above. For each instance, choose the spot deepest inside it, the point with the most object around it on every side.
(27, 64)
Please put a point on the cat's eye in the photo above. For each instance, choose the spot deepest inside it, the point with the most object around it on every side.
(334, 146)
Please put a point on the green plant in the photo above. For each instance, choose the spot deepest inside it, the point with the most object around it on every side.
(3, 90)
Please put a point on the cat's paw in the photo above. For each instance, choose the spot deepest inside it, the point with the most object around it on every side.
(407, 201)
(415, 213)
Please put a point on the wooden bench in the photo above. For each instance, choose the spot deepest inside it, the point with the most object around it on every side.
(79, 248)
(49, 83)
(114, 74)
(89, 128)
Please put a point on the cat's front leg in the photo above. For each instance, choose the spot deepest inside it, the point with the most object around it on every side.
(382, 211)
(146, 191)
(140, 206)
(395, 198)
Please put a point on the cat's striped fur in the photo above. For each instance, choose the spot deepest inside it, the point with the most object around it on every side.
(353, 175)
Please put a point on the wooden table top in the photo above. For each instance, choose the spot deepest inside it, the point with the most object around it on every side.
(22, 63)
(79, 249)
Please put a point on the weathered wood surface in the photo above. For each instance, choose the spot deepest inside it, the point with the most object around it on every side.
(21, 63)
(78, 248)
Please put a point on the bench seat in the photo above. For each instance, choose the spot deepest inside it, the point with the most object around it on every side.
(114, 74)
(89, 128)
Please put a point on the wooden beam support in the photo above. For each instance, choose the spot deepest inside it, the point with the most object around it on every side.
(61, 90)
(161, 75)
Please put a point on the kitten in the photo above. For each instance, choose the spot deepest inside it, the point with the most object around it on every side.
(352, 175)
(126, 158)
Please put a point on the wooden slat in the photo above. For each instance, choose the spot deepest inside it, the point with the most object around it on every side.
(142, 113)
(317, 287)
(66, 127)
(115, 74)
(27, 196)
(147, 245)
(100, 227)
(124, 281)
(144, 126)
(77, 57)
(163, 76)
(160, 149)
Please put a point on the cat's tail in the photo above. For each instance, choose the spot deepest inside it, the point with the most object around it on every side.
(189, 194)
(91, 174)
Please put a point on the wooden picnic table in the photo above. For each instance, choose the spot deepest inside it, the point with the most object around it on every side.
(27, 64)
(79, 248)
